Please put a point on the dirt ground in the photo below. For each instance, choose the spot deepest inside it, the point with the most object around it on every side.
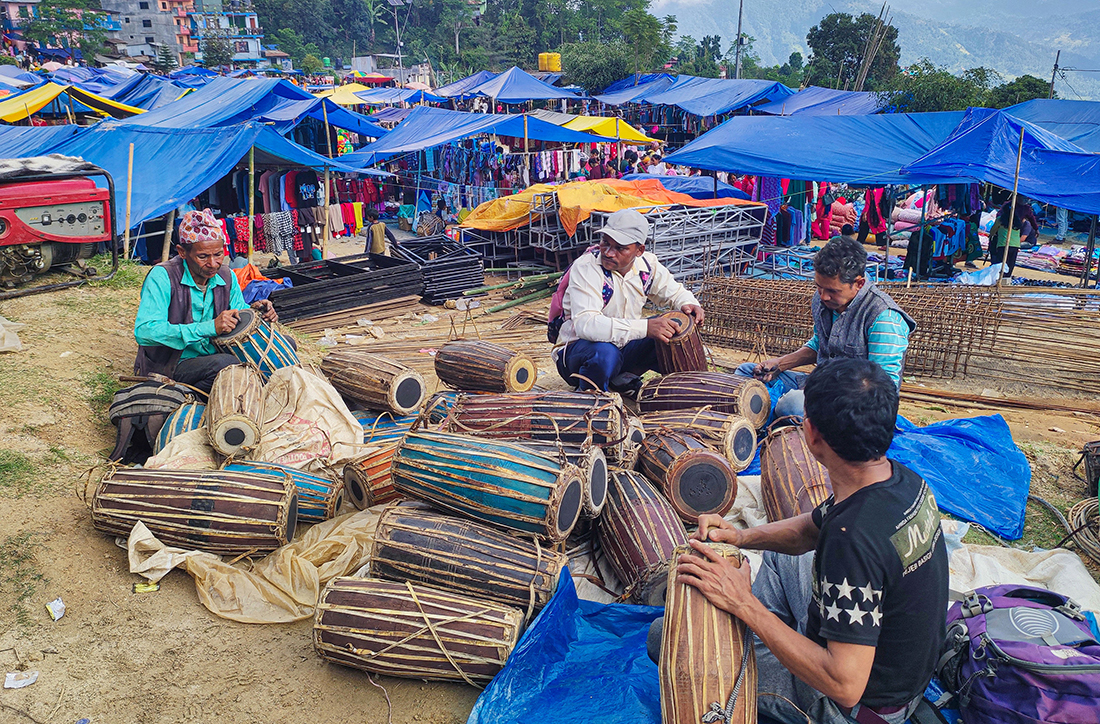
(122, 657)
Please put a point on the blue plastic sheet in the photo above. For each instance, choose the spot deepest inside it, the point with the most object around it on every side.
(716, 96)
(461, 88)
(815, 101)
(1075, 121)
(24, 141)
(262, 288)
(580, 661)
(697, 187)
(517, 86)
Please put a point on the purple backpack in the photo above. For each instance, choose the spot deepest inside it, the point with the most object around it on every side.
(1020, 655)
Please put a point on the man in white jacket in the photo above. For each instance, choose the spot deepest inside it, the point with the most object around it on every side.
(604, 340)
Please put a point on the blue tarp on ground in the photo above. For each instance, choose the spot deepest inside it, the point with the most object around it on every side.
(24, 141)
(632, 93)
(855, 149)
(393, 96)
(461, 88)
(517, 86)
(579, 661)
(225, 101)
(984, 148)
(815, 101)
(1075, 121)
(715, 96)
(427, 127)
(697, 187)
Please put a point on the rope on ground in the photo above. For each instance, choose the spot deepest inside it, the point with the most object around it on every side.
(1085, 519)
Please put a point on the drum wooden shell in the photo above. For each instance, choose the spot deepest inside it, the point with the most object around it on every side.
(368, 479)
(721, 392)
(573, 417)
(703, 650)
(380, 428)
(694, 478)
(731, 435)
(187, 418)
(376, 381)
(258, 344)
(639, 530)
(218, 511)
(593, 465)
(792, 481)
(484, 367)
(418, 544)
(319, 497)
(502, 483)
(684, 352)
(234, 410)
(382, 627)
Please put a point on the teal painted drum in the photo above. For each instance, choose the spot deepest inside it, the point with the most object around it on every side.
(383, 428)
(319, 498)
(186, 418)
(257, 344)
(506, 484)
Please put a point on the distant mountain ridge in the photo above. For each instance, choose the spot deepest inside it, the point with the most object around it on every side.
(1013, 37)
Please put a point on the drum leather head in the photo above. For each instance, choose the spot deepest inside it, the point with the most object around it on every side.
(756, 404)
(702, 486)
(570, 508)
(409, 392)
(355, 490)
(522, 375)
(244, 321)
(598, 479)
(743, 444)
(235, 436)
(292, 517)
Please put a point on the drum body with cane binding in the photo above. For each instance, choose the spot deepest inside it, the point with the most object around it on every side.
(413, 631)
(234, 410)
(501, 483)
(376, 381)
(368, 478)
(380, 428)
(721, 392)
(593, 465)
(258, 344)
(484, 367)
(223, 512)
(694, 478)
(707, 660)
(574, 418)
(792, 481)
(639, 530)
(684, 352)
(415, 543)
(319, 497)
(731, 435)
(188, 417)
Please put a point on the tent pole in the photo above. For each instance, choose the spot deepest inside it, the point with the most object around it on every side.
(129, 195)
(326, 235)
(1089, 248)
(889, 233)
(169, 225)
(920, 238)
(328, 132)
(1011, 214)
(526, 153)
(251, 200)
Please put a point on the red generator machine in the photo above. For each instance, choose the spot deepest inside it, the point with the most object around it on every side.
(52, 216)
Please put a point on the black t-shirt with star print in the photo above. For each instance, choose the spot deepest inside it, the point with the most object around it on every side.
(880, 579)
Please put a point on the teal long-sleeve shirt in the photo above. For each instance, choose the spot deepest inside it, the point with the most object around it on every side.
(887, 341)
(151, 327)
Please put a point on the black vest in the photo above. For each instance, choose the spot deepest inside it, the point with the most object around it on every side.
(848, 337)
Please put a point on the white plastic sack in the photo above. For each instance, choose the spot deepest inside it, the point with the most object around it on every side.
(9, 340)
(189, 451)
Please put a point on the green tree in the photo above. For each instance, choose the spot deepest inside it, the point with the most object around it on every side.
(1024, 88)
(374, 13)
(594, 66)
(69, 24)
(643, 33)
(166, 59)
(216, 50)
(925, 87)
(288, 41)
(838, 44)
(518, 40)
(312, 64)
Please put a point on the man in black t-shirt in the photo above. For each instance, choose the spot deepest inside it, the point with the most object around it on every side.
(851, 631)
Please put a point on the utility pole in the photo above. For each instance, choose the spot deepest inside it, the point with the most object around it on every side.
(394, 4)
(1054, 75)
(737, 54)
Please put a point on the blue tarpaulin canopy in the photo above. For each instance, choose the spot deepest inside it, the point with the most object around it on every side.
(984, 147)
(146, 91)
(697, 187)
(20, 77)
(633, 93)
(714, 96)
(815, 101)
(633, 81)
(866, 150)
(462, 88)
(1075, 121)
(517, 86)
(427, 127)
(393, 96)
(227, 101)
(24, 141)
(93, 80)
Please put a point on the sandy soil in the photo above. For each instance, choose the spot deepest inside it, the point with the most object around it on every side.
(122, 657)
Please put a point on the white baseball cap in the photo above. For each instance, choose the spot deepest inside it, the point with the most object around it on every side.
(627, 226)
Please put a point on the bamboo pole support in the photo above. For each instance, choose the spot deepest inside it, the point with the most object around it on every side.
(129, 196)
(169, 225)
(1011, 214)
(251, 201)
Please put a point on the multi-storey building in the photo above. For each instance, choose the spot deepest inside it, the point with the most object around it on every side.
(235, 21)
(148, 25)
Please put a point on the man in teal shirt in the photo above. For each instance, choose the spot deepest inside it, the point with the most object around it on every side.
(186, 302)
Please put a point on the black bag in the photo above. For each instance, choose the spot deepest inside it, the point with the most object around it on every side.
(142, 409)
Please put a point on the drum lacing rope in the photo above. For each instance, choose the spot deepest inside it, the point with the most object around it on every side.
(534, 577)
(438, 641)
(717, 713)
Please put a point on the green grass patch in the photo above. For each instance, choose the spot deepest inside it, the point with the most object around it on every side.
(101, 388)
(20, 579)
(17, 473)
(130, 275)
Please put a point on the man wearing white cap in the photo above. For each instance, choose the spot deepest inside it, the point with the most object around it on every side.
(603, 339)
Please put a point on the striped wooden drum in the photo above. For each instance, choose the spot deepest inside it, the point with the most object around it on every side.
(792, 481)
(258, 344)
(706, 655)
(502, 483)
(368, 478)
(721, 392)
(413, 631)
(484, 367)
(319, 497)
(684, 352)
(380, 428)
(376, 381)
(219, 511)
(186, 418)
(694, 478)
(234, 410)
(415, 543)
(731, 435)
(593, 465)
(639, 530)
